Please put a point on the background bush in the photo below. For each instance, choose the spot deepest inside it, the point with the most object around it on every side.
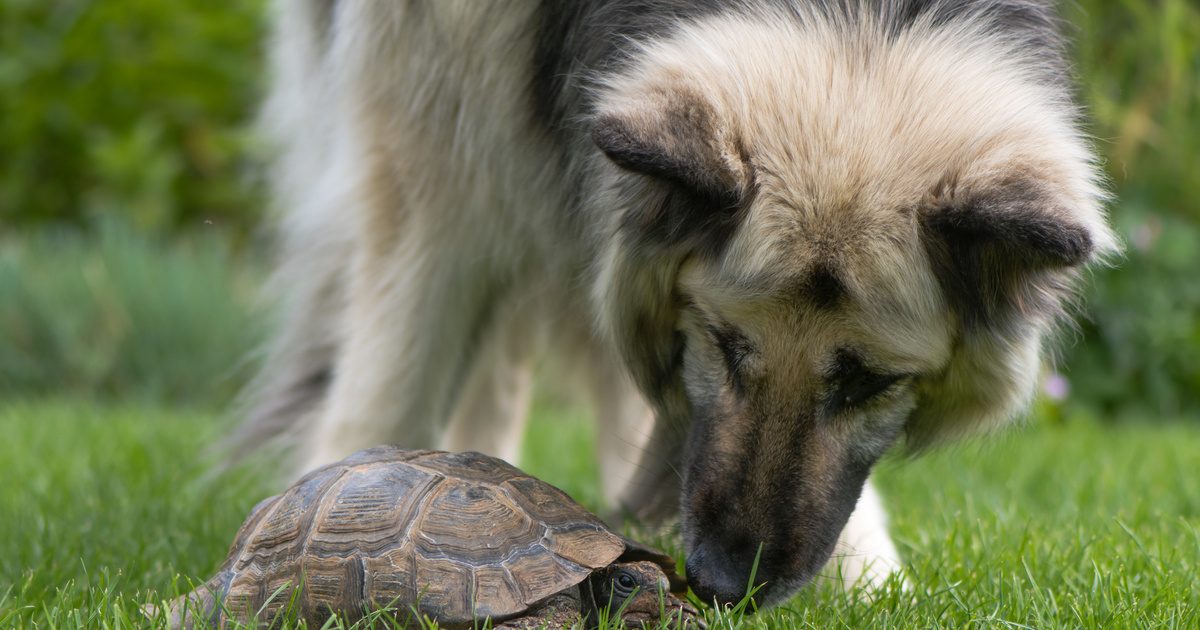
(136, 107)
(139, 109)
(112, 313)
(1140, 77)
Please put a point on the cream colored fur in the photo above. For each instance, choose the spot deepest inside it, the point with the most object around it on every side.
(425, 244)
(850, 132)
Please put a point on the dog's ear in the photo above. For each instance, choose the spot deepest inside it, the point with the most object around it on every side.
(677, 138)
(1010, 250)
(1007, 257)
(690, 179)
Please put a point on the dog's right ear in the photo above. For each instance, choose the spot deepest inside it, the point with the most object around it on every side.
(685, 181)
(677, 138)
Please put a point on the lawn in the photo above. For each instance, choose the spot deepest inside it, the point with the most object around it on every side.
(131, 275)
(1071, 524)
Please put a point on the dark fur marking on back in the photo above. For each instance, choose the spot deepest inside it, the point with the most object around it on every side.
(577, 38)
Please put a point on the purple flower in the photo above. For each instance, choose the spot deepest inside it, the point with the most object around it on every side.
(1146, 234)
(1056, 387)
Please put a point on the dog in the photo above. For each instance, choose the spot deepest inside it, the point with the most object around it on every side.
(774, 238)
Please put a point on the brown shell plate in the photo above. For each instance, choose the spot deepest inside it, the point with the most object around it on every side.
(457, 536)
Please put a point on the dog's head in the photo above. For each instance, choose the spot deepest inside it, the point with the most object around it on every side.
(830, 237)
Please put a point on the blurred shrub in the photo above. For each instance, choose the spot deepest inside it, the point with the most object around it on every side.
(1140, 68)
(137, 107)
(115, 313)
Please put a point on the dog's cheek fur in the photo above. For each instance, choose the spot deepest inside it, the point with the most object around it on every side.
(1007, 258)
(640, 310)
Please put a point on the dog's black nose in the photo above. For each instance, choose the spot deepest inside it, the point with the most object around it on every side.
(715, 574)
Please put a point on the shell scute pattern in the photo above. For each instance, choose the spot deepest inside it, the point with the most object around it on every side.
(282, 531)
(474, 524)
(458, 536)
(584, 544)
(468, 466)
(257, 513)
(497, 594)
(244, 594)
(573, 532)
(540, 574)
(444, 589)
(547, 503)
(391, 577)
(385, 453)
(368, 509)
(267, 564)
(332, 584)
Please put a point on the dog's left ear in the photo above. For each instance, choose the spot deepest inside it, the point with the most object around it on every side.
(1009, 250)
(677, 138)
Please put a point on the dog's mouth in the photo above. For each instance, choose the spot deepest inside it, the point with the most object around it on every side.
(767, 575)
(766, 528)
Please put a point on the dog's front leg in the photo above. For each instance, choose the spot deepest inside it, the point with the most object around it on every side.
(652, 495)
(624, 423)
(413, 319)
(865, 555)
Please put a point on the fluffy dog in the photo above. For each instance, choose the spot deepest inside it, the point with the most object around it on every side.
(776, 236)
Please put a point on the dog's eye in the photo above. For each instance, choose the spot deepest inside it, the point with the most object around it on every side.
(733, 345)
(852, 384)
(863, 387)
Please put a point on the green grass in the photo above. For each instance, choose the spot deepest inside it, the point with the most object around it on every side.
(1057, 525)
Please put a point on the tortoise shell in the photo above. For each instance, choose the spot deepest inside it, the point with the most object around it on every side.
(454, 536)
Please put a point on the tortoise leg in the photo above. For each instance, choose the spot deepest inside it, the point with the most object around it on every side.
(197, 609)
(560, 611)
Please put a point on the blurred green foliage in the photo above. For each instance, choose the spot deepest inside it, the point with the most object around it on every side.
(1139, 63)
(136, 107)
(141, 108)
(113, 313)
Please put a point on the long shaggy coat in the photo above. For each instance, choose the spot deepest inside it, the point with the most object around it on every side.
(773, 237)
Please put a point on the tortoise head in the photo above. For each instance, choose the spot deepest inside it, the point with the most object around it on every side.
(640, 593)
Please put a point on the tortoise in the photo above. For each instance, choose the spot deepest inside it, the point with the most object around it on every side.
(457, 538)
